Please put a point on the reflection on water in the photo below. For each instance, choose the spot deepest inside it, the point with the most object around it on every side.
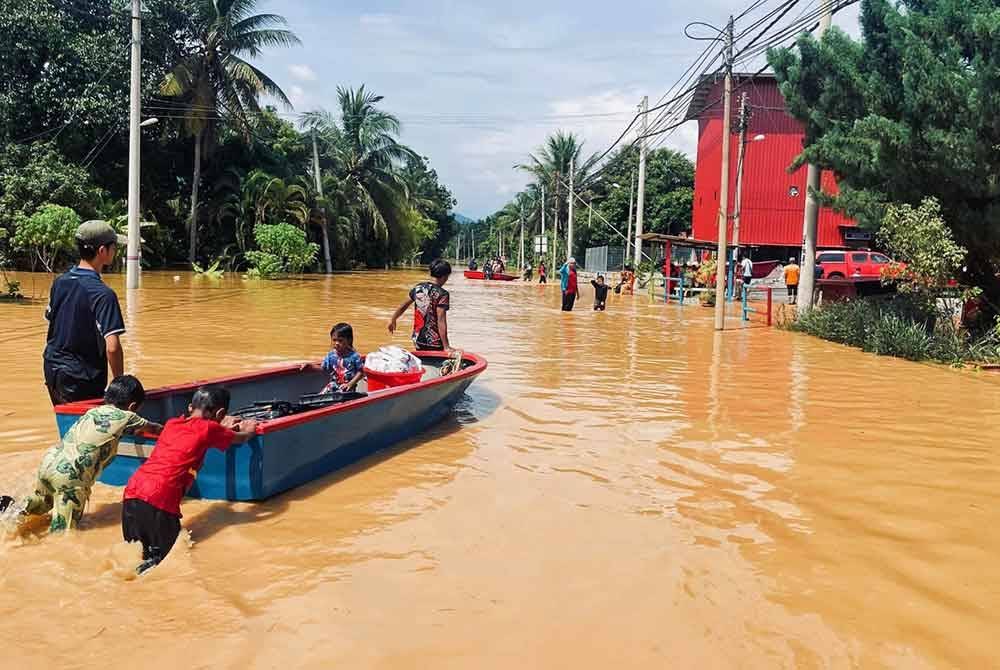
(620, 489)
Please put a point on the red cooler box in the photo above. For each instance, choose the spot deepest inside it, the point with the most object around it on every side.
(384, 380)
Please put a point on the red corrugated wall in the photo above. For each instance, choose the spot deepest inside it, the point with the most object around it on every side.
(773, 198)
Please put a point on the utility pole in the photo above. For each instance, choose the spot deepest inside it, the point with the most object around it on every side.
(628, 234)
(738, 201)
(473, 243)
(542, 247)
(641, 195)
(521, 253)
(569, 225)
(555, 225)
(319, 194)
(807, 278)
(132, 264)
(727, 130)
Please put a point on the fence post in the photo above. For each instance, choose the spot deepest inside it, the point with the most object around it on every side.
(769, 303)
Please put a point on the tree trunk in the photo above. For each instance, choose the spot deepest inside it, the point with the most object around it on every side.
(193, 221)
(326, 245)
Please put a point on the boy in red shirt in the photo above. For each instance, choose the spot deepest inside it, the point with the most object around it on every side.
(151, 510)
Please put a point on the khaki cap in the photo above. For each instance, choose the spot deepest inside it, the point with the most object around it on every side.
(98, 232)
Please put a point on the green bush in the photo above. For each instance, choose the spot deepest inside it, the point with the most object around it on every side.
(283, 249)
(46, 233)
(900, 327)
(892, 335)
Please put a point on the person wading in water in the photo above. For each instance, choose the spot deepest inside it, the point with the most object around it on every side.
(85, 321)
(570, 289)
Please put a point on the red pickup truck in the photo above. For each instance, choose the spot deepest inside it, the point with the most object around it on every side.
(852, 264)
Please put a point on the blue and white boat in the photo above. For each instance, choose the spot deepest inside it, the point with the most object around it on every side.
(291, 450)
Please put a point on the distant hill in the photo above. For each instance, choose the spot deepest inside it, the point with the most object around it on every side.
(462, 219)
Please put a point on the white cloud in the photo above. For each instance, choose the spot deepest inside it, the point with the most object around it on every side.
(376, 20)
(299, 97)
(302, 72)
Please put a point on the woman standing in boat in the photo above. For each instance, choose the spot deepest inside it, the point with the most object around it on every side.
(430, 312)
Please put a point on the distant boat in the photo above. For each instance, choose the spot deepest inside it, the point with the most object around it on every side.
(497, 276)
(292, 450)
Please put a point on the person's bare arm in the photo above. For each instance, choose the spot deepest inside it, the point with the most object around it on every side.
(116, 355)
(443, 326)
(243, 429)
(399, 312)
(351, 383)
(153, 427)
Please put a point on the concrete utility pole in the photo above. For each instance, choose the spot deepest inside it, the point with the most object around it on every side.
(132, 265)
(628, 233)
(737, 204)
(542, 248)
(319, 192)
(521, 252)
(569, 225)
(807, 276)
(641, 196)
(727, 131)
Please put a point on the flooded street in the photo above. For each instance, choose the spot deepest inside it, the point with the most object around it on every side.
(618, 490)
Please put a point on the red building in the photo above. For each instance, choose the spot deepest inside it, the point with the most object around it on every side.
(773, 199)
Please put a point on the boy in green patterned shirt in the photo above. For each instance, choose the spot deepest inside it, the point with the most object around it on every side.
(70, 468)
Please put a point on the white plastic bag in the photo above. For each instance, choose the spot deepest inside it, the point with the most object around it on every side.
(392, 360)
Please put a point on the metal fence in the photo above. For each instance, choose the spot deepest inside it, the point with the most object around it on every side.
(604, 259)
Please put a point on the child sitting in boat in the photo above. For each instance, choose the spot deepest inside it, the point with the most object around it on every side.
(343, 363)
(70, 468)
(151, 509)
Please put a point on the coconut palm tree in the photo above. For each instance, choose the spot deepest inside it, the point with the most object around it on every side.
(276, 201)
(216, 81)
(368, 157)
(550, 166)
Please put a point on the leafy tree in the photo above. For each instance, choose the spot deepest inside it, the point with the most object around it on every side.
(215, 80)
(369, 156)
(47, 233)
(36, 174)
(921, 240)
(283, 249)
(908, 112)
(550, 166)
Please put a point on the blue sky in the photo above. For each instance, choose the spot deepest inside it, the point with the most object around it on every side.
(478, 86)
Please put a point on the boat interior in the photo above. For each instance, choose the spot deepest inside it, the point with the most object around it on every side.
(291, 386)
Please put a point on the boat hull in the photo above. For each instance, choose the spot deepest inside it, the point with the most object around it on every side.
(293, 450)
(478, 274)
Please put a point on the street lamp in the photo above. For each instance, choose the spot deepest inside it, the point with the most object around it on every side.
(149, 122)
(730, 289)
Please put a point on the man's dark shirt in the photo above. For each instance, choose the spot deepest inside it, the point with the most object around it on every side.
(82, 311)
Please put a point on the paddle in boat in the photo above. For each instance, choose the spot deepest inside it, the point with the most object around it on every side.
(497, 276)
(302, 435)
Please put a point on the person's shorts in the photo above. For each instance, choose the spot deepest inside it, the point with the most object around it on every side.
(65, 389)
(156, 529)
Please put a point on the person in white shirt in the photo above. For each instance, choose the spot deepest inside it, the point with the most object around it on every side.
(746, 265)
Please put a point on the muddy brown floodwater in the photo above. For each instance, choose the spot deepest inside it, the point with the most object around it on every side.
(618, 490)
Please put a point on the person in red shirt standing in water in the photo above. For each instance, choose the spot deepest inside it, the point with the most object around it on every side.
(570, 288)
(151, 510)
(430, 310)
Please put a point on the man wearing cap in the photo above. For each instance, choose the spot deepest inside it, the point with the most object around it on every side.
(570, 287)
(85, 321)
